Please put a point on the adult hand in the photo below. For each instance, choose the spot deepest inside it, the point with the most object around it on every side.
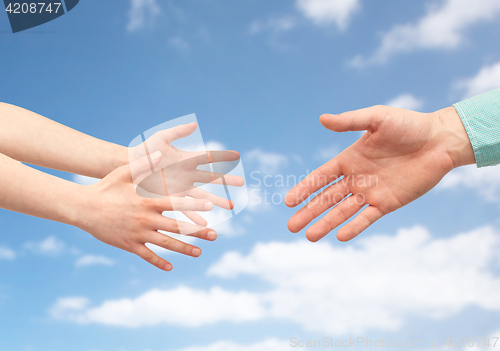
(403, 155)
(115, 214)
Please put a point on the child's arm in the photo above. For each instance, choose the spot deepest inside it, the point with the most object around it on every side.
(110, 210)
(34, 139)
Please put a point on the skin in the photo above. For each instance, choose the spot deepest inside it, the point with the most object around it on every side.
(112, 209)
(49, 144)
(402, 155)
(180, 169)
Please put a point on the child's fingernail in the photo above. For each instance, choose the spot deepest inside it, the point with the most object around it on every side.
(211, 235)
(209, 206)
(168, 266)
(196, 252)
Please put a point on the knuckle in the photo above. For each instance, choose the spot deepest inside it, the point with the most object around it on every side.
(175, 227)
(187, 249)
(144, 201)
(342, 215)
(166, 242)
(150, 257)
(144, 220)
(129, 245)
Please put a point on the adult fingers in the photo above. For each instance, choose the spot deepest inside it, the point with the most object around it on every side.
(362, 221)
(320, 177)
(322, 202)
(338, 215)
(146, 254)
(363, 119)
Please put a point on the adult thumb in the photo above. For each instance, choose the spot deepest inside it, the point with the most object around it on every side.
(363, 119)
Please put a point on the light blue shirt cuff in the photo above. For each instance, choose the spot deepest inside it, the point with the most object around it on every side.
(481, 118)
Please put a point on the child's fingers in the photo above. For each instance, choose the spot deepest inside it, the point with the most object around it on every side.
(198, 193)
(218, 178)
(143, 167)
(196, 218)
(173, 203)
(172, 244)
(178, 132)
(204, 157)
(149, 256)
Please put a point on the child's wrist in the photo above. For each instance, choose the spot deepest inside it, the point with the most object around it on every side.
(79, 203)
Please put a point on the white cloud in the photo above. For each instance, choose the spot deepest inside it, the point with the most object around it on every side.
(181, 306)
(485, 181)
(274, 25)
(267, 345)
(180, 44)
(69, 306)
(92, 260)
(325, 12)
(214, 146)
(267, 162)
(378, 282)
(406, 101)
(84, 180)
(142, 13)
(6, 253)
(320, 12)
(488, 78)
(50, 246)
(442, 27)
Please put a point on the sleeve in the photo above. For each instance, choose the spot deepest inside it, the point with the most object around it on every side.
(481, 118)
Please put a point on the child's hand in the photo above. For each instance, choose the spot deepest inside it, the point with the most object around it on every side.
(403, 155)
(179, 169)
(115, 214)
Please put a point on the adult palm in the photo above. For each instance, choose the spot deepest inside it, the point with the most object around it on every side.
(402, 156)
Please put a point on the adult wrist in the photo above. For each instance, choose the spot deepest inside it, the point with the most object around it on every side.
(453, 137)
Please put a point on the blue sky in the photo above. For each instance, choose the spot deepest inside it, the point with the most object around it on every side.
(258, 75)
